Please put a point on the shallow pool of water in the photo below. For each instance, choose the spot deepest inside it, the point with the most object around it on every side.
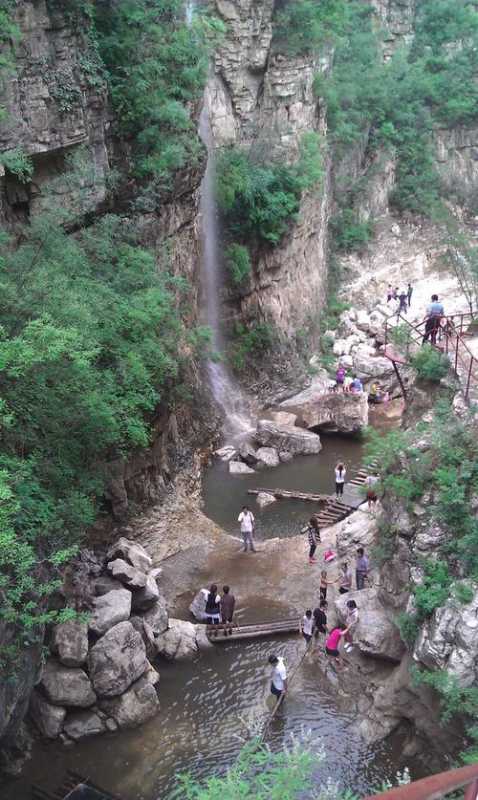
(225, 494)
(206, 709)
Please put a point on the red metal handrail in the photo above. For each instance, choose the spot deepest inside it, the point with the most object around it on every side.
(436, 786)
(452, 337)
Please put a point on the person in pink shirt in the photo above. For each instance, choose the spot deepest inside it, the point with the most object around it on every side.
(333, 640)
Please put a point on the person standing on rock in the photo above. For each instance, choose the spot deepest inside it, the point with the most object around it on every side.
(389, 293)
(278, 677)
(409, 294)
(213, 606)
(340, 473)
(228, 602)
(362, 567)
(435, 312)
(313, 536)
(351, 622)
(345, 578)
(306, 626)
(320, 618)
(247, 522)
(403, 297)
(340, 378)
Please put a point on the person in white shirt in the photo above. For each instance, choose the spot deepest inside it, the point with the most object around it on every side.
(246, 519)
(278, 677)
(351, 622)
(307, 626)
(340, 473)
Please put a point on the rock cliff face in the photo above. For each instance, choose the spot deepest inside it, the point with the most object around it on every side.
(55, 102)
(265, 100)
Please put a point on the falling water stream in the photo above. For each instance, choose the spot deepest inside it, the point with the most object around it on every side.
(224, 389)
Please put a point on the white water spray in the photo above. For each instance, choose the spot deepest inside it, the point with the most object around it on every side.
(226, 393)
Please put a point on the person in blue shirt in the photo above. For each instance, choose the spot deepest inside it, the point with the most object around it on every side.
(435, 312)
(356, 386)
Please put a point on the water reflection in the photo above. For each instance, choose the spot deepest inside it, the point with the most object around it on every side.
(206, 709)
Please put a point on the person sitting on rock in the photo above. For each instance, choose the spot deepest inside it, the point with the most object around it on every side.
(339, 378)
(356, 387)
(374, 393)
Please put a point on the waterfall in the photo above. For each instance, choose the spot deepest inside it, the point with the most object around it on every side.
(237, 421)
(225, 391)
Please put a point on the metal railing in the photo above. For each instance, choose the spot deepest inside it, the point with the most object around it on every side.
(436, 786)
(448, 339)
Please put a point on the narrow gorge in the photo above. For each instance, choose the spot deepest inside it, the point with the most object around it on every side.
(210, 208)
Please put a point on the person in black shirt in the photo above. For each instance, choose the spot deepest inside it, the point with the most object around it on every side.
(320, 619)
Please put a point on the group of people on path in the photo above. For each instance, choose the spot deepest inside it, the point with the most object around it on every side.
(314, 624)
(345, 383)
(219, 608)
(403, 296)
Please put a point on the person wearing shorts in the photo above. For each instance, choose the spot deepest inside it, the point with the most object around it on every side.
(278, 677)
(333, 640)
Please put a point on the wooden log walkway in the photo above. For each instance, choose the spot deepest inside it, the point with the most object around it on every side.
(227, 632)
(331, 510)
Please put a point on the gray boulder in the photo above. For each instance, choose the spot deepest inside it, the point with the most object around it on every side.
(132, 552)
(135, 706)
(267, 457)
(157, 616)
(291, 440)
(226, 453)
(147, 596)
(109, 609)
(239, 468)
(70, 642)
(66, 686)
(128, 575)
(333, 412)
(284, 457)
(265, 499)
(104, 584)
(375, 633)
(117, 660)
(358, 530)
(178, 642)
(449, 639)
(48, 718)
(248, 454)
(82, 724)
(372, 366)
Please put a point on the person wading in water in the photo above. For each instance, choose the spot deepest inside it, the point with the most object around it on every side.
(278, 677)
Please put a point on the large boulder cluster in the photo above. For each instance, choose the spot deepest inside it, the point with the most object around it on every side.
(98, 676)
(358, 342)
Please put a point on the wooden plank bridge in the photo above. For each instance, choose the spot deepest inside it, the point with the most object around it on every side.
(229, 632)
(331, 510)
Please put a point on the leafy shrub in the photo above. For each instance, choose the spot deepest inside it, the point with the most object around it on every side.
(348, 232)
(408, 626)
(430, 364)
(434, 590)
(156, 67)
(238, 263)
(18, 163)
(396, 104)
(304, 26)
(250, 344)
(259, 200)
(90, 344)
